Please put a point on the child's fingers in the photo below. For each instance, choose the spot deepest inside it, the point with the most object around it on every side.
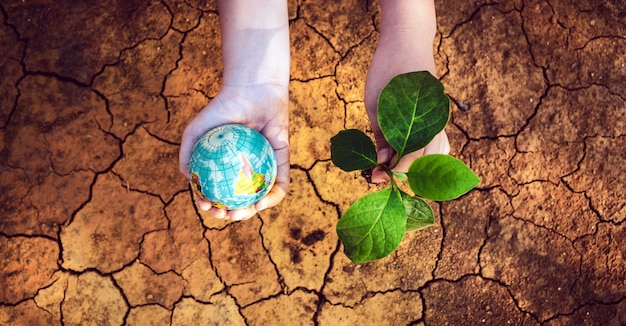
(219, 213)
(439, 145)
(242, 214)
(406, 161)
(203, 205)
(378, 175)
(278, 192)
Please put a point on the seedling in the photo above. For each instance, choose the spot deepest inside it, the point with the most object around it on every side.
(412, 110)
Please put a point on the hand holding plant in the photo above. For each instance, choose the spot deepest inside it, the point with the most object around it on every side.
(405, 44)
(412, 110)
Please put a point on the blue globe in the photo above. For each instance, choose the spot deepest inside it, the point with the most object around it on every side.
(232, 166)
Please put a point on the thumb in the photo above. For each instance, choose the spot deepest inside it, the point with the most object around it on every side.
(384, 155)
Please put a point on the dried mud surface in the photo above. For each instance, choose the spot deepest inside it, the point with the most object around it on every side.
(98, 227)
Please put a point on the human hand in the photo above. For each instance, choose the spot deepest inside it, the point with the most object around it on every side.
(405, 44)
(255, 90)
(263, 107)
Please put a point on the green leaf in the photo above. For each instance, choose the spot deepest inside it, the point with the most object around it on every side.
(352, 150)
(412, 110)
(418, 213)
(373, 226)
(440, 177)
(400, 176)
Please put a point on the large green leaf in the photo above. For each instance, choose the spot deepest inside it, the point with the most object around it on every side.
(418, 213)
(373, 226)
(440, 177)
(352, 150)
(412, 110)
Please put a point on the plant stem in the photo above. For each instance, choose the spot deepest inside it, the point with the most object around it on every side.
(392, 179)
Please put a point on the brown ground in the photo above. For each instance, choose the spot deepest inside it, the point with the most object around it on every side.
(98, 227)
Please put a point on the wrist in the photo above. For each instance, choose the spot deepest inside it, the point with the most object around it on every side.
(408, 20)
(405, 43)
(251, 95)
(253, 57)
(256, 74)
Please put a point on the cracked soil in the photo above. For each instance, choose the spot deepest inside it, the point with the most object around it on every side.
(98, 227)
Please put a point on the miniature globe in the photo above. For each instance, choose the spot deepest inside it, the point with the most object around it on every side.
(232, 166)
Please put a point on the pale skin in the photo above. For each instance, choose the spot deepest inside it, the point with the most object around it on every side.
(255, 49)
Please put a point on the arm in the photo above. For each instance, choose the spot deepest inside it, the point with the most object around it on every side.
(407, 32)
(255, 41)
(255, 50)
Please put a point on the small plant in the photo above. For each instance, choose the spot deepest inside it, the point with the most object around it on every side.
(412, 110)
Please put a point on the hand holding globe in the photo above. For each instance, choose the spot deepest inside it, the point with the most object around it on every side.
(262, 107)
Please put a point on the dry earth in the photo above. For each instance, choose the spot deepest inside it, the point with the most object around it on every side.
(98, 227)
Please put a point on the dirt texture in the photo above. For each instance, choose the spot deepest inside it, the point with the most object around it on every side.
(98, 227)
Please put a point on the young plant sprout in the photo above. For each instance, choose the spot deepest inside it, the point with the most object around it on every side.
(412, 110)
